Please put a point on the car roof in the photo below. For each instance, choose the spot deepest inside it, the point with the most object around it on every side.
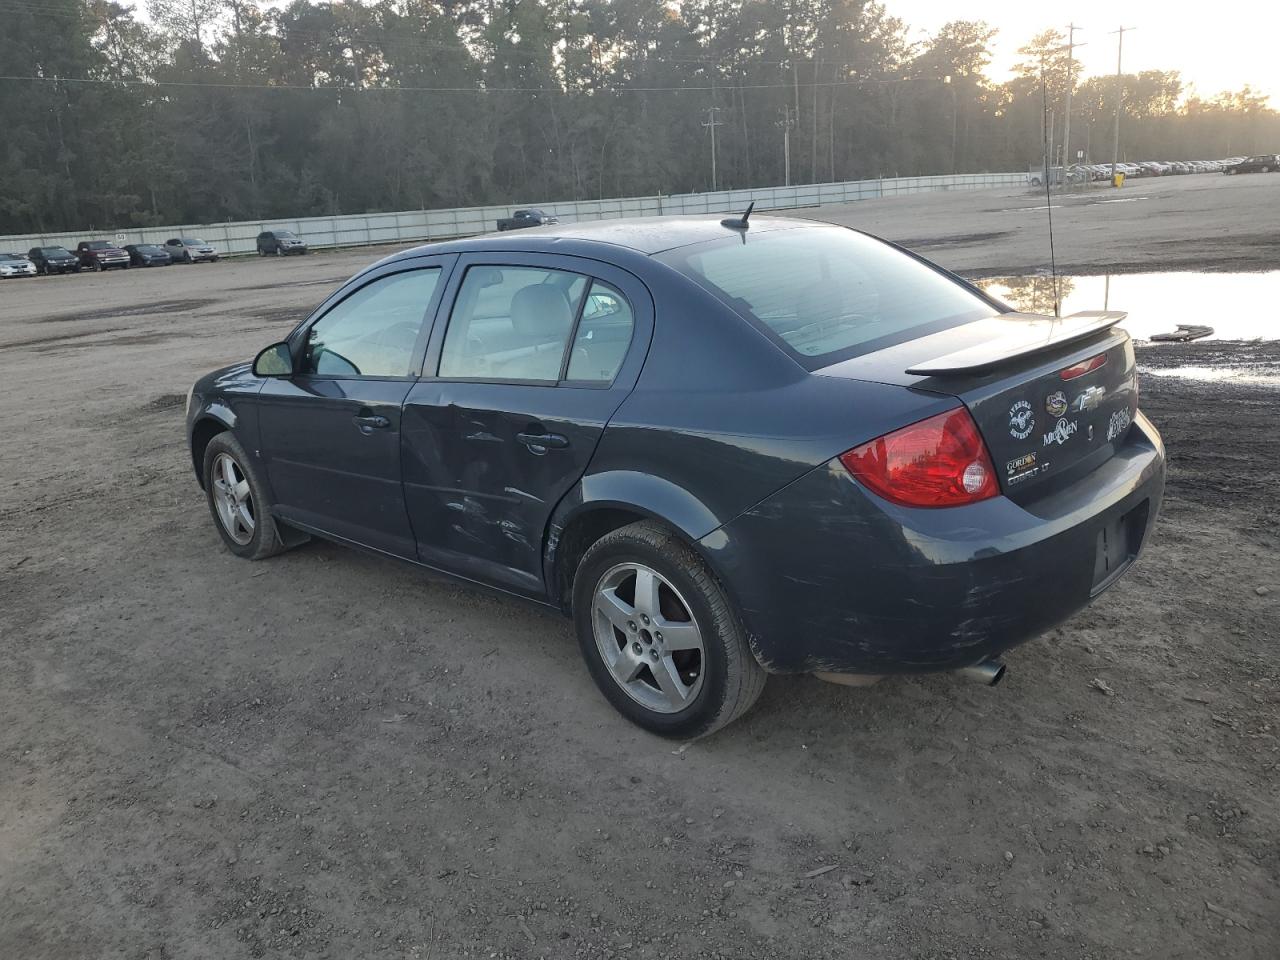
(645, 235)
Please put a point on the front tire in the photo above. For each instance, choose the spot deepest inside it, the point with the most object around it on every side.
(238, 501)
(659, 635)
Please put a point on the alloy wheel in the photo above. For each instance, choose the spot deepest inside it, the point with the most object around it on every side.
(232, 499)
(648, 638)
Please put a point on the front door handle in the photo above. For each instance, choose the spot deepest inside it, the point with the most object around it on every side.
(542, 442)
(371, 423)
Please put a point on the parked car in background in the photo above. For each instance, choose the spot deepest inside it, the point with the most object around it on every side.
(16, 265)
(1263, 163)
(280, 243)
(101, 255)
(526, 218)
(53, 260)
(148, 255)
(190, 250)
(735, 449)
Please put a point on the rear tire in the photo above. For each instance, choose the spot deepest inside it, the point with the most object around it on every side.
(238, 501)
(631, 585)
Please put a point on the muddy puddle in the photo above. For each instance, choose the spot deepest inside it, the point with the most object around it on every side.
(1237, 306)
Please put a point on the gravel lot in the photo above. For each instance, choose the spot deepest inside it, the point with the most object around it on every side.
(329, 755)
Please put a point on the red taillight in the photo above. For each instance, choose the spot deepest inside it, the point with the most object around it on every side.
(939, 462)
(1085, 366)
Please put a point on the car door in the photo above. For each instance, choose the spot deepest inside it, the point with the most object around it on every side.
(330, 434)
(536, 355)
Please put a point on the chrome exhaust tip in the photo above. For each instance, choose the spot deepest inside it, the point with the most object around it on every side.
(988, 672)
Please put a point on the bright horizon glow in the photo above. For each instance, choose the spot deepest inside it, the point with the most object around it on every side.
(1213, 48)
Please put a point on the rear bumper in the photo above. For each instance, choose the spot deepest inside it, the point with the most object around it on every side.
(826, 576)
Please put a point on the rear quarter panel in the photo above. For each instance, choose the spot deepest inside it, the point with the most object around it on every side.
(720, 418)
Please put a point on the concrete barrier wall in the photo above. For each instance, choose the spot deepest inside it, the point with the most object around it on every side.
(424, 225)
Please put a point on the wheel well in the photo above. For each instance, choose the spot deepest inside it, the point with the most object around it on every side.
(204, 431)
(577, 537)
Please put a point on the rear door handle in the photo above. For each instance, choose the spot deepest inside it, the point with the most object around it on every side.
(371, 423)
(541, 442)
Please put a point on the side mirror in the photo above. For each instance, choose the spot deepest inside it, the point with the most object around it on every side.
(274, 361)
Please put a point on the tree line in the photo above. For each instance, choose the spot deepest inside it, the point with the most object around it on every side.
(220, 110)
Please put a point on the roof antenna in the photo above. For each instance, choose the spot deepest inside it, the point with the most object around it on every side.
(1048, 198)
(739, 223)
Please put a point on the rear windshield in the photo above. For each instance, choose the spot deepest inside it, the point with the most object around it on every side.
(825, 293)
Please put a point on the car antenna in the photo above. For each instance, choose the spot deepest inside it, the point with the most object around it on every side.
(739, 223)
(1048, 197)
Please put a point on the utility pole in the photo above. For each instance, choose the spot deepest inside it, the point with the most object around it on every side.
(786, 123)
(1115, 141)
(955, 112)
(1066, 123)
(713, 121)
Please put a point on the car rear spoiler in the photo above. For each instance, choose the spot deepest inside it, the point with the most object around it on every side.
(1021, 334)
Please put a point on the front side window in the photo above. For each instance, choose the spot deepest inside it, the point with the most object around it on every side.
(511, 323)
(826, 293)
(372, 333)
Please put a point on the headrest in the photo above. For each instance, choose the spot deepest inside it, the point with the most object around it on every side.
(540, 310)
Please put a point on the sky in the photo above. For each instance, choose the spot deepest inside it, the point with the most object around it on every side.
(1216, 46)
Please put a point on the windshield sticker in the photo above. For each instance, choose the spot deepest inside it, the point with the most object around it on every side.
(1021, 420)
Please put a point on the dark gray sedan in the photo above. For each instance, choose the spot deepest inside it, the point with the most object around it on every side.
(725, 449)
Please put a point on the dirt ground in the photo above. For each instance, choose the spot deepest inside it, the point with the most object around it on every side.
(329, 755)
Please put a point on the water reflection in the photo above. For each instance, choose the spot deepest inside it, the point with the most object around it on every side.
(1239, 306)
(1260, 378)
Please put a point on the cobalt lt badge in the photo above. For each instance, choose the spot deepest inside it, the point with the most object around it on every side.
(1056, 404)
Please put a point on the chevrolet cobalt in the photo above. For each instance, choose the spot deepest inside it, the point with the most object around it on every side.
(725, 448)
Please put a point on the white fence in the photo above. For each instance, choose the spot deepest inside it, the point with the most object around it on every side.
(422, 225)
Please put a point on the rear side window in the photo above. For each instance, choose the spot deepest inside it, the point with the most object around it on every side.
(825, 294)
(603, 335)
(511, 323)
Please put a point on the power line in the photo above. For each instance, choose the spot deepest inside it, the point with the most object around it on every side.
(388, 39)
(622, 88)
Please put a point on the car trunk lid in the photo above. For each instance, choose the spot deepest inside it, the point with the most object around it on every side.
(1053, 399)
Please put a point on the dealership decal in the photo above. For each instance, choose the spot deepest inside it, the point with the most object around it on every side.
(1055, 404)
(1022, 468)
(1119, 423)
(1089, 400)
(1062, 432)
(1021, 420)
(1019, 464)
